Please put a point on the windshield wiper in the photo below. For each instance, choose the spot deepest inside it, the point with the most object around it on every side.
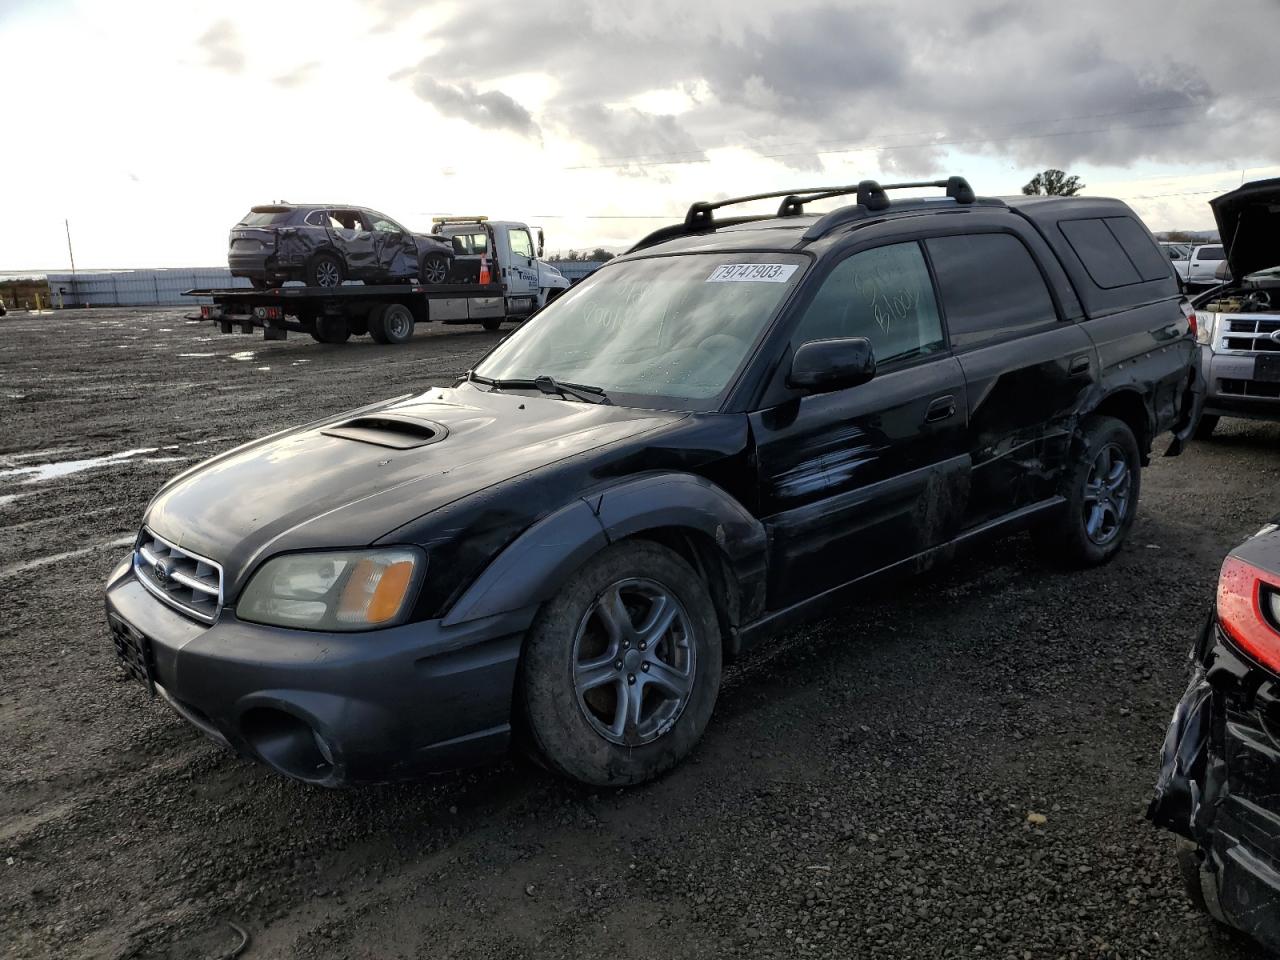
(548, 385)
(580, 390)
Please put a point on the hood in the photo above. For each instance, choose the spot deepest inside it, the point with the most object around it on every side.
(350, 480)
(1249, 224)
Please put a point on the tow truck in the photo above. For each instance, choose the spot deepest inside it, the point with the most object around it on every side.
(496, 275)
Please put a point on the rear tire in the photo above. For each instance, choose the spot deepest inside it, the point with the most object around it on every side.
(434, 268)
(330, 329)
(621, 669)
(326, 270)
(491, 324)
(1101, 488)
(260, 284)
(1205, 426)
(391, 323)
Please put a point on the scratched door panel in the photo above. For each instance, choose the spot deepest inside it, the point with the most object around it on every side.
(858, 479)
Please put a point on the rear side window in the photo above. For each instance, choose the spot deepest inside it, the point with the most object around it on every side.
(1115, 251)
(1209, 253)
(991, 288)
(883, 294)
(317, 218)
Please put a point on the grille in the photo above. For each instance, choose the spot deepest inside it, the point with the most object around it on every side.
(1249, 388)
(179, 577)
(1251, 335)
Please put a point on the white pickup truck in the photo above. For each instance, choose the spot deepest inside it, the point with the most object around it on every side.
(1196, 265)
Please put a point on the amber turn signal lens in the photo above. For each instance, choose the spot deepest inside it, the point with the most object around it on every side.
(375, 591)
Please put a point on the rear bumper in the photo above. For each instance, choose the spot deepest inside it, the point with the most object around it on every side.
(1220, 767)
(332, 708)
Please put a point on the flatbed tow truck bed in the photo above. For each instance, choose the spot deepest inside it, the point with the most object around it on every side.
(387, 312)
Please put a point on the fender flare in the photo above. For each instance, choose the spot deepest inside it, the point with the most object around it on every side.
(533, 567)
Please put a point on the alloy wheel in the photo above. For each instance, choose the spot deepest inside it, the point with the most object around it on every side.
(634, 662)
(1106, 495)
(328, 274)
(435, 270)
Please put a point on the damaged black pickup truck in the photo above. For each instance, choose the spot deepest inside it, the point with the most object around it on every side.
(733, 425)
(1219, 786)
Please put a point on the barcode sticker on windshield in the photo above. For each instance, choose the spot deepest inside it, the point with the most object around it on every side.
(752, 272)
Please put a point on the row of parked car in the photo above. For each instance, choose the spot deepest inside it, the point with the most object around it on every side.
(722, 432)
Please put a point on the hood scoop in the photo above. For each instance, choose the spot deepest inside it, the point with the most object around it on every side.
(392, 430)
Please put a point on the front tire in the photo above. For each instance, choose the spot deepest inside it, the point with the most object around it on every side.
(621, 669)
(1101, 490)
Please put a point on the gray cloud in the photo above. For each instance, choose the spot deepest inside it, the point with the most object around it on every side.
(491, 109)
(1108, 84)
(296, 77)
(221, 46)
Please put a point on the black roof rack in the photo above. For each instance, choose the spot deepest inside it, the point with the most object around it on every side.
(871, 198)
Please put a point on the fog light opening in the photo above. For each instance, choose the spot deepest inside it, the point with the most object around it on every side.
(288, 744)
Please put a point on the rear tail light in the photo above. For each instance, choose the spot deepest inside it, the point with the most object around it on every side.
(1189, 312)
(1249, 610)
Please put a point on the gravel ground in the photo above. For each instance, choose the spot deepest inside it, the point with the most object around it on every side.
(863, 789)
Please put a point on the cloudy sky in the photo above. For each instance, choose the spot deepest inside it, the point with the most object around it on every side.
(153, 126)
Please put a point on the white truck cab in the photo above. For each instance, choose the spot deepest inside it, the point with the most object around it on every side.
(511, 251)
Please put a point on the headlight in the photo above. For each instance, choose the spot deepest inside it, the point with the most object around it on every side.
(1206, 321)
(344, 590)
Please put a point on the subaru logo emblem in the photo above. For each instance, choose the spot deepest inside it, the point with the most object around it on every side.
(161, 572)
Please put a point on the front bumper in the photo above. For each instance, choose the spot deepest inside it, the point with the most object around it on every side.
(1232, 390)
(1219, 786)
(332, 708)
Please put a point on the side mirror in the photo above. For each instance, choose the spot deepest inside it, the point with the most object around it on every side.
(821, 366)
(541, 243)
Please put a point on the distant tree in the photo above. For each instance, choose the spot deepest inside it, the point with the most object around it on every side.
(572, 255)
(1053, 183)
(1180, 236)
(599, 253)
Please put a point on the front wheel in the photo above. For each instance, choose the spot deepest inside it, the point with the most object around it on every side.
(622, 667)
(1101, 490)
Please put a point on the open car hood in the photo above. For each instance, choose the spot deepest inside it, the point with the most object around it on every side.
(1249, 224)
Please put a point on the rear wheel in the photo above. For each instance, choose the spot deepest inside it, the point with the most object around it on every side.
(1101, 489)
(259, 283)
(1205, 426)
(326, 270)
(330, 329)
(493, 323)
(434, 268)
(621, 669)
(392, 323)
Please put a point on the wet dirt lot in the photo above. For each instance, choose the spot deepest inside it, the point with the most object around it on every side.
(863, 789)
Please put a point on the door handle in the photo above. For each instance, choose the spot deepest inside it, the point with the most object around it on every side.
(1078, 366)
(940, 409)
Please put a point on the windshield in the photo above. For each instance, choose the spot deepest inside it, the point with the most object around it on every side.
(665, 328)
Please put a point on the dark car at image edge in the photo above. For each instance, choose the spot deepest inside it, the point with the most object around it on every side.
(739, 422)
(324, 245)
(1219, 785)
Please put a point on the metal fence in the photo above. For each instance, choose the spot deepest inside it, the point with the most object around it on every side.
(137, 288)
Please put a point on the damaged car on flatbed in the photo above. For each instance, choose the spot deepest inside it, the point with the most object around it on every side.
(1219, 785)
(740, 421)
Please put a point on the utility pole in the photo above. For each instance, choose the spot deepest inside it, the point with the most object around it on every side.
(71, 253)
